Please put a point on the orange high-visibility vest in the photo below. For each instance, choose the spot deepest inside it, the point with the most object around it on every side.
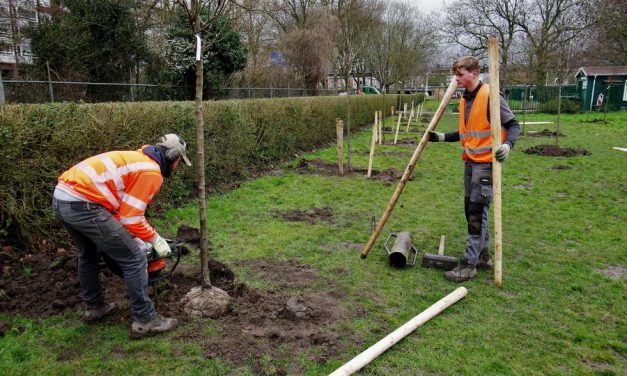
(476, 136)
(124, 182)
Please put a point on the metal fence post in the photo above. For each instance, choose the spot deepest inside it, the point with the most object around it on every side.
(49, 82)
(1, 89)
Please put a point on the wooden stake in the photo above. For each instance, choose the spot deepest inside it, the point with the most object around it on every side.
(410, 168)
(420, 110)
(495, 125)
(411, 114)
(404, 111)
(339, 130)
(373, 142)
(391, 339)
(392, 111)
(398, 126)
(380, 128)
(376, 125)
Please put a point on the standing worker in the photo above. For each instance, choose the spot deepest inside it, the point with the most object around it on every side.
(476, 139)
(101, 201)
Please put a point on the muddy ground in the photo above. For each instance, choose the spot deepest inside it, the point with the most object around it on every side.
(319, 167)
(555, 151)
(259, 323)
(544, 133)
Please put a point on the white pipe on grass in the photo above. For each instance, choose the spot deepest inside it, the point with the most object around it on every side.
(378, 348)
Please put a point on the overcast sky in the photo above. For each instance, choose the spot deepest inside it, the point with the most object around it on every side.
(427, 6)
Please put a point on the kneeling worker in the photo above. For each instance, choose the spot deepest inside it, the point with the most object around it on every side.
(102, 201)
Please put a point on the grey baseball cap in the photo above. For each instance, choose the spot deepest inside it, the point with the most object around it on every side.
(175, 143)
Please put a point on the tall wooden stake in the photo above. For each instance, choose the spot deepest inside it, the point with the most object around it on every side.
(495, 125)
(398, 126)
(381, 140)
(411, 114)
(376, 125)
(373, 142)
(339, 130)
(410, 168)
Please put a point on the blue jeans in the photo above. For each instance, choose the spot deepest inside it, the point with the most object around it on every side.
(94, 229)
(477, 198)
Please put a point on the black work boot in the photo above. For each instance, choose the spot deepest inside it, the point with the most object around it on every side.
(485, 261)
(462, 272)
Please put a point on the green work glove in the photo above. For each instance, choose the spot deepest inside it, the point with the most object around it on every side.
(502, 153)
(161, 247)
(436, 136)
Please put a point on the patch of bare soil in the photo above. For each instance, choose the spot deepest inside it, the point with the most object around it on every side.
(562, 167)
(319, 167)
(555, 151)
(258, 325)
(614, 272)
(594, 121)
(310, 216)
(544, 133)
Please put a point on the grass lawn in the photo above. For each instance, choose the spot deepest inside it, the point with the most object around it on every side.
(561, 310)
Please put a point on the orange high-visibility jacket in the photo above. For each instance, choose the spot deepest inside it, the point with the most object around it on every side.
(124, 182)
(476, 136)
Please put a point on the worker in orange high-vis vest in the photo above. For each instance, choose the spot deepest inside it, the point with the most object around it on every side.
(476, 139)
(102, 201)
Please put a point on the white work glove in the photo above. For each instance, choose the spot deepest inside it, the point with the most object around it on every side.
(502, 153)
(161, 247)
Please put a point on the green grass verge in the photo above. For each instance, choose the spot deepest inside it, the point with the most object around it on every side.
(557, 313)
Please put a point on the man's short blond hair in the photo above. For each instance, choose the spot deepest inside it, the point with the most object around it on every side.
(469, 62)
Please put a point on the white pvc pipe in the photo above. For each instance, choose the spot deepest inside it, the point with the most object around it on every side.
(378, 348)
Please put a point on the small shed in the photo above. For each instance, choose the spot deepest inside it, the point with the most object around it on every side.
(599, 86)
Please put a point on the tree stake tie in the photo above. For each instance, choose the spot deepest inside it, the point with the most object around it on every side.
(198, 47)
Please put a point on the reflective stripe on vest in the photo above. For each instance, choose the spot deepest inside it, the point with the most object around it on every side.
(476, 135)
(124, 182)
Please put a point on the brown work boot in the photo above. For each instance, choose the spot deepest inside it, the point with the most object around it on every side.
(462, 272)
(153, 327)
(94, 314)
(485, 261)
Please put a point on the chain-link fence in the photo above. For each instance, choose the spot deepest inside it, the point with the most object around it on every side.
(22, 91)
(519, 97)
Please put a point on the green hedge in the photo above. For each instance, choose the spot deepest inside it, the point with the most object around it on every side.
(39, 142)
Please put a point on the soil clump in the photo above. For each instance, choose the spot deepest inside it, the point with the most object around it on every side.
(555, 151)
(319, 167)
(544, 133)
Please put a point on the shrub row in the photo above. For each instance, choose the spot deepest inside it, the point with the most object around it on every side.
(39, 142)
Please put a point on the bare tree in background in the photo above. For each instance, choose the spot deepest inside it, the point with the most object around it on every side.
(354, 17)
(550, 24)
(399, 44)
(196, 10)
(479, 20)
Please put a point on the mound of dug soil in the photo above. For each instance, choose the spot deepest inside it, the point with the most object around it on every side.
(544, 133)
(319, 167)
(555, 151)
(258, 325)
(311, 216)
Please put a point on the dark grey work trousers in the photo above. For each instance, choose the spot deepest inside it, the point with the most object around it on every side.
(477, 198)
(94, 229)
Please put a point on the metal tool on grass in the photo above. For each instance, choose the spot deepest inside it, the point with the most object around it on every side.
(401, 250)
(410, 168)
(429, 260)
